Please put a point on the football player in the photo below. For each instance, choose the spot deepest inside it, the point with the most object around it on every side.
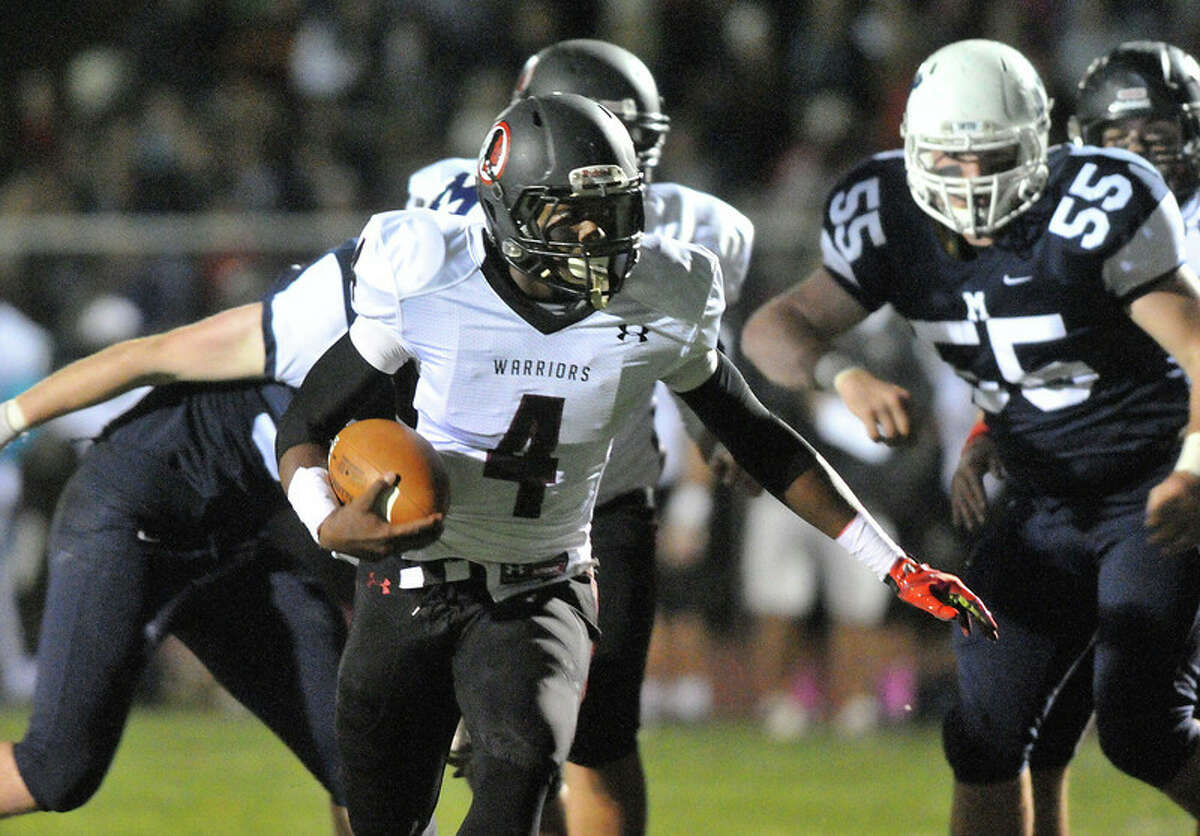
(1055, 282)
(169, 526)
(1143, 96)
(604, 770)
(520, 326)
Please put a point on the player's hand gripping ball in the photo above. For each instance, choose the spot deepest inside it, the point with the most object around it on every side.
(367, 450)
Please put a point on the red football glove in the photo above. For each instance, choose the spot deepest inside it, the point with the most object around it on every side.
(941, 594)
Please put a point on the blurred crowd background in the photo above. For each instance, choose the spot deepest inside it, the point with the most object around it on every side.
(163, 160)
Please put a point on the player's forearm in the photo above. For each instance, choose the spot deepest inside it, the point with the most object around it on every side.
(781, 345)
(225, 346)
(91, 380)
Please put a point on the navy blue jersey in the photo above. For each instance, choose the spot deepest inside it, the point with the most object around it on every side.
(209, 449)
(1077, 396)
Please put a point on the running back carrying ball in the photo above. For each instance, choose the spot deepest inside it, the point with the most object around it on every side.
(366, 450)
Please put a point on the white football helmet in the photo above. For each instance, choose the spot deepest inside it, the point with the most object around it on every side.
(977, 96)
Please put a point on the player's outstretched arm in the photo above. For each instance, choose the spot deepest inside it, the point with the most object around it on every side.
(787, 466)
(224, 346)
(787, 336)
(1171, 315)
(790, 340)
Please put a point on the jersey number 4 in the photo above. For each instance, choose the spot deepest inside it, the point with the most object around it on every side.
(523, 455)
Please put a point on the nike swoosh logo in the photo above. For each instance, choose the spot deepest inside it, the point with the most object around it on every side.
(1011, 280)
(146, 538)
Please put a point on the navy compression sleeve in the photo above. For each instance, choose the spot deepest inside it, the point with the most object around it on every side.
(765, 447)
(340, 386)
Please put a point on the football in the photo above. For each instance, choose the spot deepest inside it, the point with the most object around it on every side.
(365, 450)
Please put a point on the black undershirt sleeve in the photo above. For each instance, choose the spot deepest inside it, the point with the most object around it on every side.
(765, 447)
(339, 387)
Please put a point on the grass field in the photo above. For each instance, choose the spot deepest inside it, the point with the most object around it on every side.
(183, 773)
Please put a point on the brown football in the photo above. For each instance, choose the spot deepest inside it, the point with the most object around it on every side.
(365, 450)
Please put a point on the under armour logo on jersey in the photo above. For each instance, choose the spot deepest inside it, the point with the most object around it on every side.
(633, 331)
(385, 585)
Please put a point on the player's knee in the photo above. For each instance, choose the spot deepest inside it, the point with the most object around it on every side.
(1149, 747)
(507, 795)
(979, 753)
(60, 781)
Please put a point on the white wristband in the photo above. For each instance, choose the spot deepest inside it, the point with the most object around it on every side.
(868, 543)
(312, 498)
(12, 421)
(829, 367)
(1189, 456)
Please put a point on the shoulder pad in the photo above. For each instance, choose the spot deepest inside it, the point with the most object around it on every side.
(676, 211)
(407, 252)
(677, 280)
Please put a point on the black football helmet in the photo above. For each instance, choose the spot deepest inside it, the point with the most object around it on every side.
(547, 163)
(613, 76)
(1145, 80)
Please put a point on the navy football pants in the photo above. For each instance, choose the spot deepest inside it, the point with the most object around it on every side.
(1059, 576)
(271, 638)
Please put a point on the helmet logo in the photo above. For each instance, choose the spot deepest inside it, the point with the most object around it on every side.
(1133, 93)
(494, 156)
(597, 177)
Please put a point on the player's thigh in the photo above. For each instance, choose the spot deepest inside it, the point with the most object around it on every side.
(91, 648)
(1145, 646)
(1033, 569)
(273, 640)
(520, 670)
(780, 573)
(396, 710)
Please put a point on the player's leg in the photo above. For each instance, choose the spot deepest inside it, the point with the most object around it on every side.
(273, 640)
(780, 579)
(605, 784)
(1057, 739)
(396, 708)
(519, 673)
(1004, 688)
(91, 650)
(1146, 665)
(860, 647)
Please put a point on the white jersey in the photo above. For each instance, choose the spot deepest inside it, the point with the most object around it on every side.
(303, 317)
(672, 211)
(1191, 227)
(524, 419)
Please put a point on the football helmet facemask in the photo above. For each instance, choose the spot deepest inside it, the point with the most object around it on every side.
(1142, 83)
(613, 76)
(548, 165)
(983, 99)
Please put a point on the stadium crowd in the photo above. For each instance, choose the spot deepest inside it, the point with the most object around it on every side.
(205, 106)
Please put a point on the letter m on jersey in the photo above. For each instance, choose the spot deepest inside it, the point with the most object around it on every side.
(976, 308)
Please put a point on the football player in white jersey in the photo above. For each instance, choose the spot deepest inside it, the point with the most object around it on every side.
(1053, 280)
(520, 326)
(1143, 96)
(607, 792)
